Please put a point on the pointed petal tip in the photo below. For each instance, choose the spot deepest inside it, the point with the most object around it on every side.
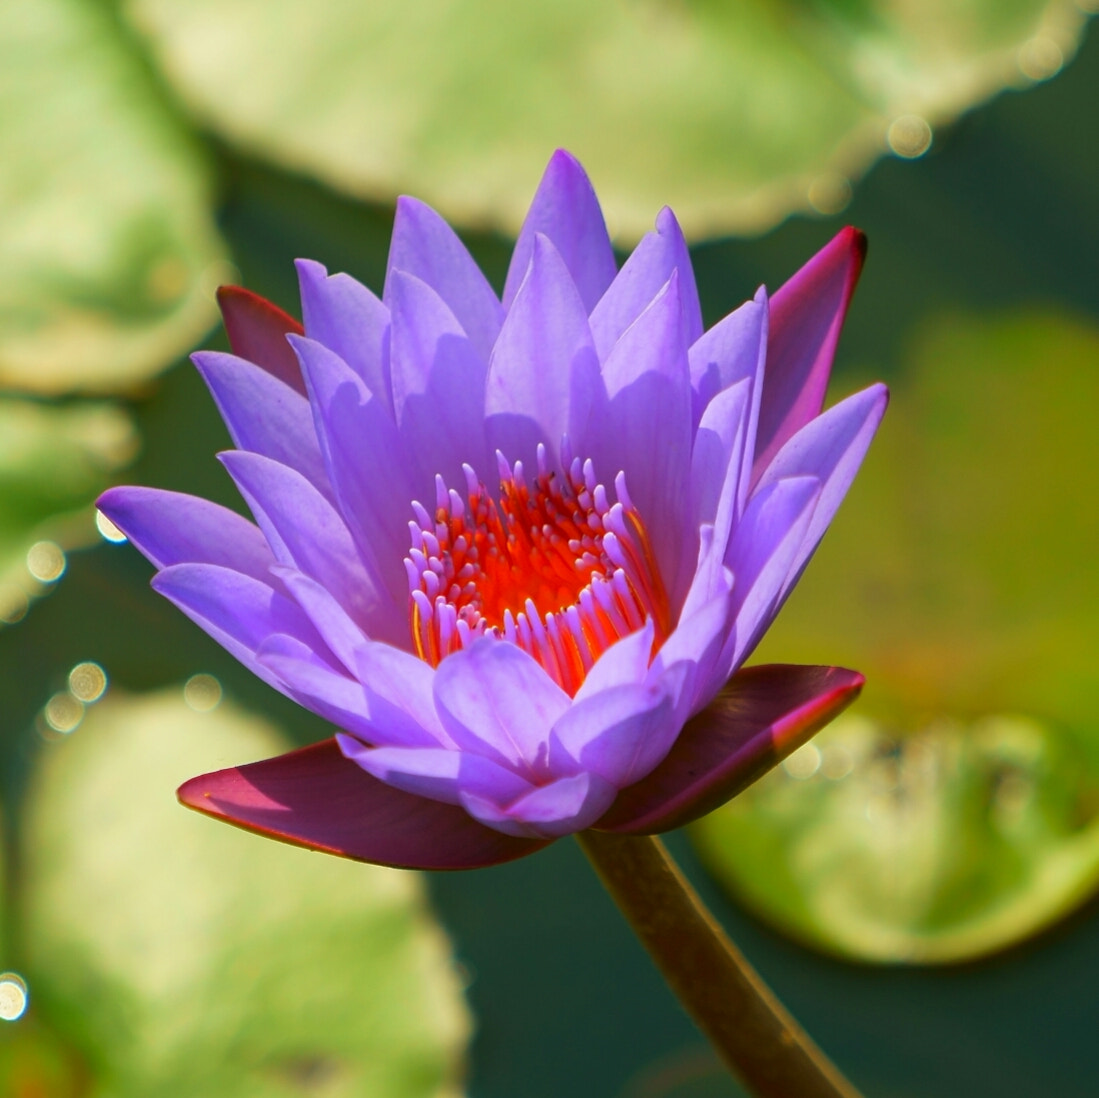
(112, 499)
(566, 208)
(409, 208)
(845, 253)
(310, 268)
(244, 306)
(257, 330)
(563, 173)
(883, 390)
(856, 244)
(119, 504)
(563, 160)
(855, 240)
(666, 220)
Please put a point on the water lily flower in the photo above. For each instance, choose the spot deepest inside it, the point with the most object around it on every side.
(516, 550)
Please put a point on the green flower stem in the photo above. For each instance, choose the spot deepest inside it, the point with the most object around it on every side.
(753, 1033)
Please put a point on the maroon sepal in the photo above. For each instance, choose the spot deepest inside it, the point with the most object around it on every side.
(762, 714)
(314, 797)
(806, 316)
(257, 331)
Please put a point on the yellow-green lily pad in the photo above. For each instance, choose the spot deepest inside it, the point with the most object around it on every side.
(186, 957)
(108, 250)
(734, 114)
(937, 846)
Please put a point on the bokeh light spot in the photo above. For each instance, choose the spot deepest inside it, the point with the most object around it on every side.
(804, 762)
(909, 136)
(1040, 58)
(87, 681)
(13, 996)
(836, 762)
(63, 712)
(46, 561)
(202, 693)
(830, 193)
(107, 529)
(14, 603)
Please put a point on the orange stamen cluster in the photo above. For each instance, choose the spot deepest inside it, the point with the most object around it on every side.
(553, 567)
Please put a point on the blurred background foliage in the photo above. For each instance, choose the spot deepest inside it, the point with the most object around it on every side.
(150, 149)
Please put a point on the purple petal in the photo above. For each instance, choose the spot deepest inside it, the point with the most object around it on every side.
(709, 574)
(645, 431)
(762, 555)
(239, 612)
(717, 470)
(314, 683)
(626, 661)
(700, 636)
(257, 331)
(762, 715)
(544, 372)
(496, 700)
(174, 528)
(399, 690)
(318, 799)
(263, 414)
(830, 447)
(438, 383)
(346, 317)
(425, 246)
(652, 263)
(807, 314)
(329, 618)
(307, 532)
(565, 210)
(704, 622)
(549, 811)
(619, 734)
(436, 772)
(733, 349)
(365, 460)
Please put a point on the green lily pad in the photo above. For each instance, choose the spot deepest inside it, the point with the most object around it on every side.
(938, 846)
(110, 253)
(54, 461)
(734, 114)
(219, 963)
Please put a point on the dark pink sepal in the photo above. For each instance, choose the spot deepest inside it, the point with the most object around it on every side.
(806, 316)
(257, 331)
(761, 715)
(316, 798)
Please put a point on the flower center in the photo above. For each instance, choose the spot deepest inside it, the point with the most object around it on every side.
(553, 567)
